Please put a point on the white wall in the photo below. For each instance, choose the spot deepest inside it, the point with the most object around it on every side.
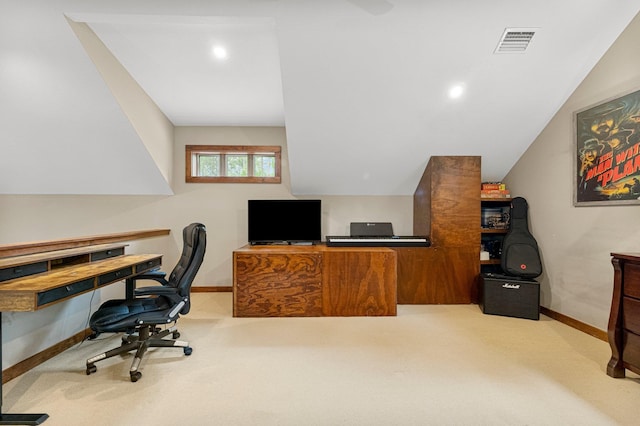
(226, 204)
(221, 207)
(576, 242)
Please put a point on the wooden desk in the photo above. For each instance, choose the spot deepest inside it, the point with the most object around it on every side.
(623, 330)
(35, 281)
(281, 281)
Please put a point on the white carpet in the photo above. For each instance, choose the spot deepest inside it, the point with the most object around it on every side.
(430, 365)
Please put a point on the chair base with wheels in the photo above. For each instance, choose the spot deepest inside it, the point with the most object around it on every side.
(147, 337)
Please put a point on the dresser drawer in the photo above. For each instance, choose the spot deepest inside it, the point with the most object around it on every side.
(118, 275)
(631, 280)
(631, 314)
(64, 292)
(105, 254)
(22, 270)
(631, 349)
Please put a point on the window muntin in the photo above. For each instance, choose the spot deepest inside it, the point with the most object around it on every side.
(233, 163)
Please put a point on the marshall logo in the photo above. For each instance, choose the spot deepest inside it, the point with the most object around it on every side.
(507, 285)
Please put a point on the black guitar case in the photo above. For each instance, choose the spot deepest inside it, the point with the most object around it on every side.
(520, 254)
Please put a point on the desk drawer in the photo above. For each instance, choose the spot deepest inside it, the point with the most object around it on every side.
(22, 270)
(144, 267)
(631, 280)
(105, 254)
(64, 292)
(118, 275)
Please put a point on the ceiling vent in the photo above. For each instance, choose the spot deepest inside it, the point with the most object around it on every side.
(515, 40)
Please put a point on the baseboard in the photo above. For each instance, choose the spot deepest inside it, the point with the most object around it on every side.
(37, 359)
(211, 289)
(585, 328)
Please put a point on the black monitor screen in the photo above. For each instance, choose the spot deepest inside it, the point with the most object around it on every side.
(284, 221)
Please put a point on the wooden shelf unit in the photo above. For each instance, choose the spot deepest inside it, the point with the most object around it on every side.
(446, 207)
(493, 231)
(488, 235)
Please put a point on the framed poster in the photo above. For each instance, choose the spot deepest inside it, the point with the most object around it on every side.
(607, 152)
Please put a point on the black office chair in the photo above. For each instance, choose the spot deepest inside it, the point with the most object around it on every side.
(140, 318)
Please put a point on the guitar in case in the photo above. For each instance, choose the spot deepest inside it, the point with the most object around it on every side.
(520, 254)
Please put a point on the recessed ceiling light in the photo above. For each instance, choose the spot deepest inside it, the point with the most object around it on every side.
(219, 52)
(456, 91)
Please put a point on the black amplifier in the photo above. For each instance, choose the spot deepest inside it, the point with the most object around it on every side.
(509, 296)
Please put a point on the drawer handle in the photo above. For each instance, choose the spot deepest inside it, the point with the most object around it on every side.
(117, 273)
(68, 288)
(108, 252)
(17, 270)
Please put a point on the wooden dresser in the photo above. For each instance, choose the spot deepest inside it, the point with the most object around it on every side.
(624, 321)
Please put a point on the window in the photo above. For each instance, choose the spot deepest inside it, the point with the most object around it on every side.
(233, 163)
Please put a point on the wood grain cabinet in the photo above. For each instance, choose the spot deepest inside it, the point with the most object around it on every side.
(623, 330)
(310, 281)
(446, 207)
(277, 282)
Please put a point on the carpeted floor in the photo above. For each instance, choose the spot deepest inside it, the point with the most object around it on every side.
(430, 365)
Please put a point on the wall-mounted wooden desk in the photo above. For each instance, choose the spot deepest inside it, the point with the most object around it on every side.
(35, 281)
(287, 281)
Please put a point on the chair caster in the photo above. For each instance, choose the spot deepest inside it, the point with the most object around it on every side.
(176, 334)
(91, 369)
(187, 350)
(135, 376)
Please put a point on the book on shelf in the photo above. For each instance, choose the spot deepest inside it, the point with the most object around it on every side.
(493, 185)
(495, 193)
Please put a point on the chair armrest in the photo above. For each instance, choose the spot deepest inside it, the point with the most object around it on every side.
(156, 290)
(157, 275)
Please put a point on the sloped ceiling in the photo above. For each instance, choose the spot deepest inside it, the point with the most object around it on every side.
(361, 85)
(63, 131)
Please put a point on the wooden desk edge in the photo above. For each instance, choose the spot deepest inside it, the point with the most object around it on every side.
(7, 250)
(6, 262)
